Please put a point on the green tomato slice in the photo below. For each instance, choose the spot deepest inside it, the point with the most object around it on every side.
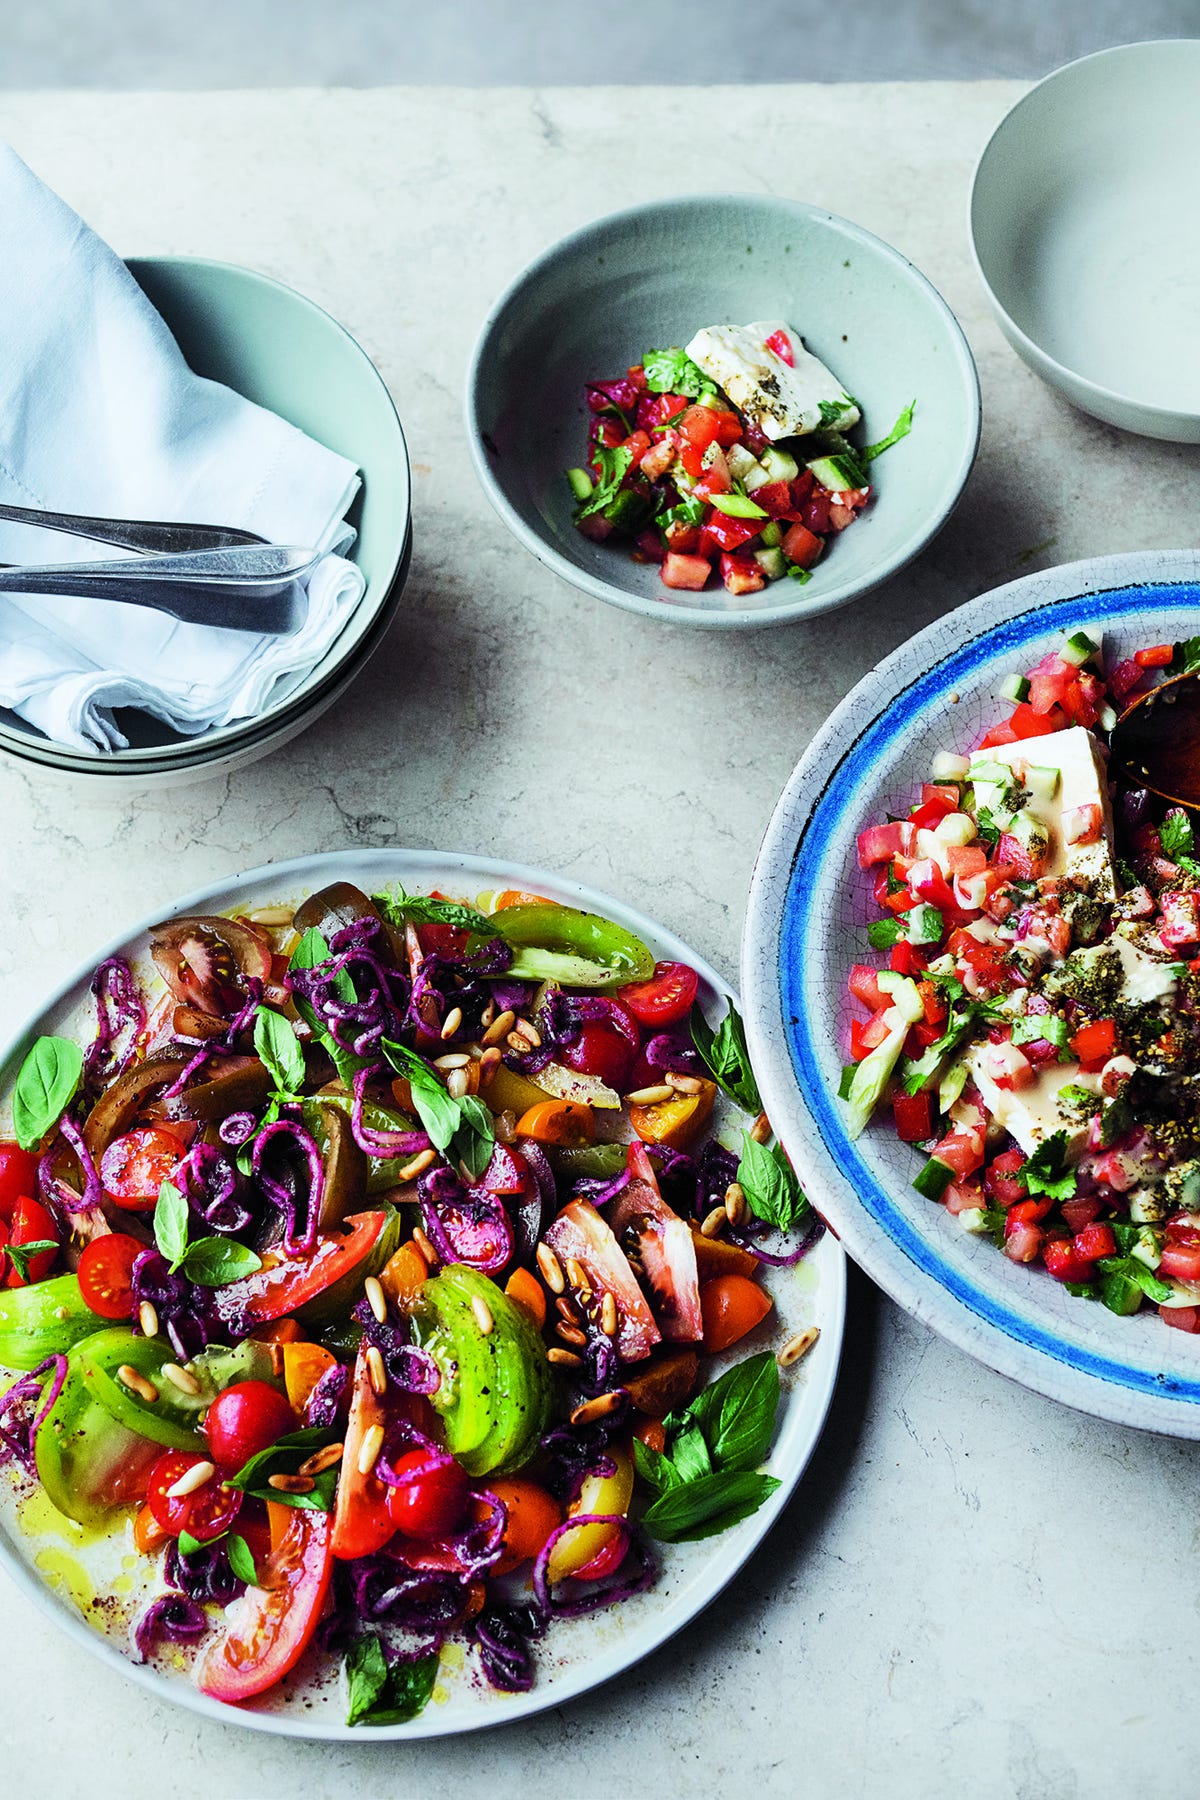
(579, 949)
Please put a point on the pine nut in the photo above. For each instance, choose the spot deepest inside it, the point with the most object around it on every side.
(483, 1314)
(608, 1315)
(376, 1370)
(500, 1027)
(599, 1408)
(568, 1310)
(320, 1460)
(566, 1359)
(516, 1042)
(425, 1247)
(575, 1274)
(372, 1444)
(571, 1334)
(760, 1131)
(714, 1222)
(650, 1096)
(489, 1062)
(735, 1203)
(452, 1022)
(291, 1484)
(183, 1379)
(798, 1346)
(275, 1352)
(271, 916)
(136, 1382)
(457, 1083)
(488, 1014)
(684, 1084)
(423, 1160)
(550, 1269)
(148, 1319)
(375, 1298)
(530, 1033)
(191, 1479)
(456, 1059)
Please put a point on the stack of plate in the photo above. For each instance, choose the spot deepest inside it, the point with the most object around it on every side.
(280, 350)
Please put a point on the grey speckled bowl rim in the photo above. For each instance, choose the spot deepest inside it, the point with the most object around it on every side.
(1039, 359)
(713, 617)
(414, 866)
(892, 1251)
(212, 746)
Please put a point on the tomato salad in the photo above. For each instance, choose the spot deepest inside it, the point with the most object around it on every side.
(1035, 1028)
(374, 1266)
(731, 456)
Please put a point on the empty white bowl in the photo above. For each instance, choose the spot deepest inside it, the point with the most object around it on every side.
(1085, 222)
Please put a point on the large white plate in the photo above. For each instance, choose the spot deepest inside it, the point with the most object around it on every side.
(806, 923)
(579, 1654)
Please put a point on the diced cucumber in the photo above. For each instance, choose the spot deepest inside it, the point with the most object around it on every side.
(755, 478)
(740, 460)
(904, 996)
(581, 483)
(933, 1179)
(837, 474)
(955, 828)
(778, 465)
(1014, 688)
(1078, 648)
(1147, 1247)
(949, 767)
(772, 562)
(1042, 783)
(771, 533)
(951, 1085)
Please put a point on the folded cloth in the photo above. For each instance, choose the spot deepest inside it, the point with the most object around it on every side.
(100, 414)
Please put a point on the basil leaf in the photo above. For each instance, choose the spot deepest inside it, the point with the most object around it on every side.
(738, 506)
(46, 1086)
(689, 1456)
(171, 1224)
(1135, 1270)
(21, 1255)
(188, 1545)
(401, 909)
(437, 1110)
(241, 1561)
(672, 371)
(313, 952)
(278, 1050)
(655, 1469)
(737, 1412)
(725, 1056)
(770, 1186)
(474, 1136)
(216, 1261)
(284, 1458)
(383, 1693)
(700, 1509)
(899, 430)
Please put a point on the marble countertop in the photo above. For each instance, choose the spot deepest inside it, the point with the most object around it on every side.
(963, 1596)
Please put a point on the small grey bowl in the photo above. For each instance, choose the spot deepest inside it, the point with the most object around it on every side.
(651, 276)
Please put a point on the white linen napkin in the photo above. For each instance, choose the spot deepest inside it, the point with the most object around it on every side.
(100, 414)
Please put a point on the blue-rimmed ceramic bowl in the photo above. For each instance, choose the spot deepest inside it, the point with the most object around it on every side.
(808, 908)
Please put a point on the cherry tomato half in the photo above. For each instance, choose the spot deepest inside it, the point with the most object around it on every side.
(429, 1505)
(606, 1048)
(206, 1512)
(18, 1177)
(665, 998)
(32, 1224)
(134, 1166)
(106, 1274)
(244, 1419)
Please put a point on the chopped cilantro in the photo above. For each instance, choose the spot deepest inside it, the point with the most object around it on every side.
(613, 467)
(1046, 1171)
